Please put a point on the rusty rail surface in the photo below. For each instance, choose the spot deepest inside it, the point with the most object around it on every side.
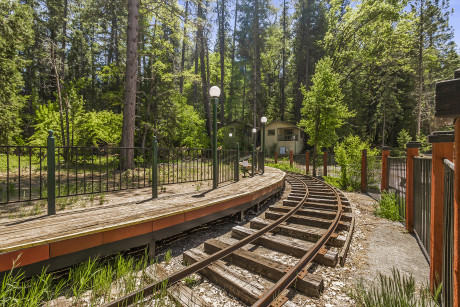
(274, 293)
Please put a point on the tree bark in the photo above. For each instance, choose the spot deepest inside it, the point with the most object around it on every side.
(283, 77)
(182, 61)
(222, 60)
(129, 106)
(232, 87)
(204, 83)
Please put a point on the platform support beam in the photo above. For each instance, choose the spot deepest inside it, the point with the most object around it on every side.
(443, 148)
(307, 162)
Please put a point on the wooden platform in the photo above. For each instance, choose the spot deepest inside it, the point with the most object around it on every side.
(73, 236)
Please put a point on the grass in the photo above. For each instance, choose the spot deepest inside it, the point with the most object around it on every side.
(91, 283)
(387, 207)
(285, 167)
(393, 290)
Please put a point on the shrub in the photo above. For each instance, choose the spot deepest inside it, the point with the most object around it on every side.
(387, 207)
(394, 290)
(348, 155)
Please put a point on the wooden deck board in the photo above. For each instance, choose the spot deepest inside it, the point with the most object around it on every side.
(44, 229)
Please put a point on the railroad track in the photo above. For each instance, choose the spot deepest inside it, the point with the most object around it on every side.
(314, 225)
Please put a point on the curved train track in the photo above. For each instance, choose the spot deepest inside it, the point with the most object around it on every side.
(315, 213)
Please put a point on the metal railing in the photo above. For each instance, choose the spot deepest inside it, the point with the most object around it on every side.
(23, 172)
(422, 201)
(397, 182)
(88, 170)
(448, 236)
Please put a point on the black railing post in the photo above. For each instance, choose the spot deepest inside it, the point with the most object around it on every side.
(154, 168)
(237, 162)
(51, 165)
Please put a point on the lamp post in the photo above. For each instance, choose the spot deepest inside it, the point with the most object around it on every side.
(254, 131)
(214, 92)
(263, 120)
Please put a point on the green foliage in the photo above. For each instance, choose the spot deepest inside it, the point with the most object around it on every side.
(285, 167)
(387, 207)
(403, 138)
(393, 290)
(348, 155)
(88, 129)
(15, 36)
(323, 110)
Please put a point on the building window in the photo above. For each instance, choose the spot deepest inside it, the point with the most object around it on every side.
(271, 132)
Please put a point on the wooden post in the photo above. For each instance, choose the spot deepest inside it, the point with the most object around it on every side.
(456, 265)
(447, 104)
(443, 148)
(384, 180)
(276, 157)
(364, 171)
(412, 151)
(307, 162)
(291, 157)
(325, 163)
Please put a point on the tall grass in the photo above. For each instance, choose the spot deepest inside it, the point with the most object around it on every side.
(91, 283)
(387, 207)
(391, 291)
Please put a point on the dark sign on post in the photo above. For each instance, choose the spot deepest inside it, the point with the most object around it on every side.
(448, 98)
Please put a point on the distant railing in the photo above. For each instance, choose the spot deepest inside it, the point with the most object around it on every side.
(448, 236)
(88, 170)
(422, 201)
(397, 182)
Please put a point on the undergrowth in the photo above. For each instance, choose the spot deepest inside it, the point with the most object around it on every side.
(91, 283)
(393, 290)
(285, 167)
(387, 207)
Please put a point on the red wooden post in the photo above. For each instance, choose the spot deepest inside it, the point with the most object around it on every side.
(325, 163)
(307, 162)
(276, 157)
(447, 104)
(412, 151)
(364, 171)
(456, 265)
(443, 148)
(291, 157)
(384, 180)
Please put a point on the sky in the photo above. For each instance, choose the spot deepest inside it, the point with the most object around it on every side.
(455, 21)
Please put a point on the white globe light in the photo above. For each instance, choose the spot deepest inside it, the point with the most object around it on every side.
(254, 130)
(263, 120)
(230, 135)
(214, 92)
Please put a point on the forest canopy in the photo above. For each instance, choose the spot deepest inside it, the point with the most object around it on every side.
(119, 72)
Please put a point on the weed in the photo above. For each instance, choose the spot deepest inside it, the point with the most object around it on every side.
(101, 199)
(198, 187)
(387, 207)
(92, 197)
(394, 290)
(191, 280)
(168, 256)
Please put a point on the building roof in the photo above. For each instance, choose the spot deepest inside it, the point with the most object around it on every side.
(287, 124)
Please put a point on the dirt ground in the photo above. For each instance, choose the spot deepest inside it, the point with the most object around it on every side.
(378, 245)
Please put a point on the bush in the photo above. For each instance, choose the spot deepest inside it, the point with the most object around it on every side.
(394, 290)
(387, 207)
(348, 155)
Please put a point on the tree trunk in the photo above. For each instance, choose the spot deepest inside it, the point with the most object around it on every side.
(256, 59)
(420, 64)
(129, 106)
(283, 77)
(222, 60)
(182, 61)
(204, 83)
(232, 87)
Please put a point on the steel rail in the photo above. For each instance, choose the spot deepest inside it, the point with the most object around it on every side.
(274, 293)
(197, 266)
